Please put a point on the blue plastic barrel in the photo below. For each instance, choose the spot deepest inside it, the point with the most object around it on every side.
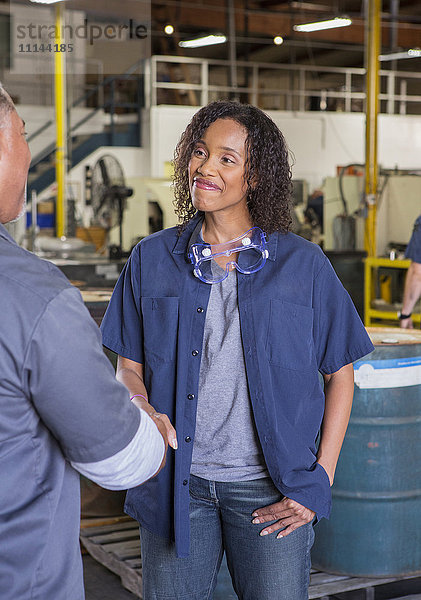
(375, 525)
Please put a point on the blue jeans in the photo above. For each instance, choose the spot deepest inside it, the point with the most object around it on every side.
(261, 567)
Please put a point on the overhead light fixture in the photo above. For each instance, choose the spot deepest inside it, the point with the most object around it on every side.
(278, 40)
(207, 40)
(169, 29)
(319, 25)
(411, 53)
(310, 6)
(47, 1)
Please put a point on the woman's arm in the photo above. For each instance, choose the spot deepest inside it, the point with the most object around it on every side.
(339, 391)
(130, 373)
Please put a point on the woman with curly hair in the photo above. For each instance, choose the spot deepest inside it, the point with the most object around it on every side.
(224, 324)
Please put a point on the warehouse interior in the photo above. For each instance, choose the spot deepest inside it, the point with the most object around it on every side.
(103, 116)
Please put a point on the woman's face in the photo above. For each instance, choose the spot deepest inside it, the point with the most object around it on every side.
(216, 168)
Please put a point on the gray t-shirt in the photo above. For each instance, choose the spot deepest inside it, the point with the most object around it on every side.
(226, 446)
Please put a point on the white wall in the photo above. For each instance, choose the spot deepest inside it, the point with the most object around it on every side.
(135, 163)
(166, 125)
(319, 142)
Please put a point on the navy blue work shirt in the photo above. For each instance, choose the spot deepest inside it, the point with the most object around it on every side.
(413, 250)
(59, 402)
(296, 320)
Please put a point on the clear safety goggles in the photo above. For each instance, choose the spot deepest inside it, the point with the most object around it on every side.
(252, 256)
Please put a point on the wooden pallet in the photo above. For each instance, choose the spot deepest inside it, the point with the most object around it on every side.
(117, 547)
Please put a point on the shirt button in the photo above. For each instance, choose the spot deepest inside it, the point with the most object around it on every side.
(185, 482)
(190, 396)
(199, 309)
(187, 439)
(195, 352)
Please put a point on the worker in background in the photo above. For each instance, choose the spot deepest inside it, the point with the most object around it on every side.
(61, 409)
(412, 290)
(315, 206)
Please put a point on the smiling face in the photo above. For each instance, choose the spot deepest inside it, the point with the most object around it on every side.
(217, 167)
(15, 159)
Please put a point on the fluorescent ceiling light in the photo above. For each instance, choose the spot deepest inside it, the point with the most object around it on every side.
(46, 1)
(207, 40)
(412, 53)
(319, 25)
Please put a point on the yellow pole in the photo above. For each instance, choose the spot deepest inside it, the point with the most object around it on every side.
(372, 109)
(61, 122)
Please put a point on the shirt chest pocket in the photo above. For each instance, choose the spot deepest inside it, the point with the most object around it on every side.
(289, 341)
(160, 329)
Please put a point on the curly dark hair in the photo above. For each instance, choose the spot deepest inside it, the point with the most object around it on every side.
(267, 165)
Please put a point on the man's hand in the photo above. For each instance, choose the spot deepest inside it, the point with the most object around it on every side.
(130, 373)
(161, 421)
(290, 516)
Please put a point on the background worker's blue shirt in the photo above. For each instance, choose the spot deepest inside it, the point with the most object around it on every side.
(413, 250)
(59, 402)
(296, 320)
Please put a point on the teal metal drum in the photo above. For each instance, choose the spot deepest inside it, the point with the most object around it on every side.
(375, 524)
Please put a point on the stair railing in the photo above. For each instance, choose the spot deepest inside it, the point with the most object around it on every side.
(111, 105)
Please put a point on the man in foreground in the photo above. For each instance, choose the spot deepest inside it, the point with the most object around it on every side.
(61, 408)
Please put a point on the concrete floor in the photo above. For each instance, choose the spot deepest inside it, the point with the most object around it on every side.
(101, 584)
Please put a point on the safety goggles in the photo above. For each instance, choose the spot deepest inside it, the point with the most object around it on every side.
(252, 255)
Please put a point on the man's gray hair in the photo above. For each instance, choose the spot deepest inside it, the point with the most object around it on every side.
(6, 106)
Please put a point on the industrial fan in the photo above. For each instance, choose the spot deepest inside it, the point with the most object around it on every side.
(109, 194)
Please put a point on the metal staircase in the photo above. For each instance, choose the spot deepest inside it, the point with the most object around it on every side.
(122, 99)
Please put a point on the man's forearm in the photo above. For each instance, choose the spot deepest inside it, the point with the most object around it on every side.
(412, 290)
(140, 460)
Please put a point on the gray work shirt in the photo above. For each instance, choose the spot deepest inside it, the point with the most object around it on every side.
(59, 401)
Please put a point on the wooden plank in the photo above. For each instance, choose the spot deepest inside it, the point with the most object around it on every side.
(350, 584)
(116, 536)
(131, 579)
(117, 547)
(321, 578)
(134, 563)
(91, 531)
(411, 597)
(103, 521)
